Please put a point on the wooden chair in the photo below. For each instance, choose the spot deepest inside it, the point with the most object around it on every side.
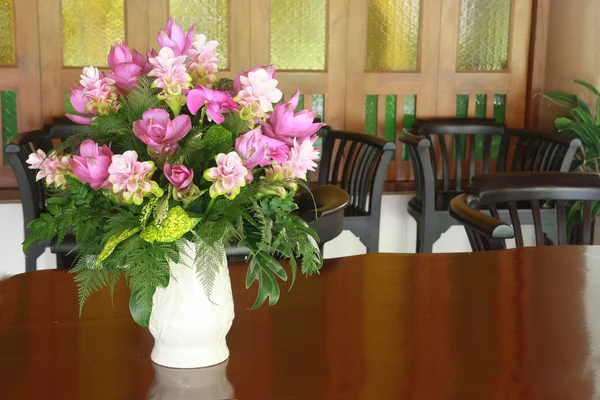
(358, 164)
(447, 153)
(537, 191)
(32, 193)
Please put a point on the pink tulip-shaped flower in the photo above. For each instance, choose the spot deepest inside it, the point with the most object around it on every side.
(216, 103)
(285, 125)
(259, 150)
(174, 38)
(52, 167)
(237, 83)
(125, 66)
(91, 165)
(203, 60)
(302, 159)
(79, 103)
(132, 178)
(171, 76)
(257, 95)
(228, 176)
(160, 133)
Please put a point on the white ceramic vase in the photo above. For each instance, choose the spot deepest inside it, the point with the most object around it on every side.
(189, 328)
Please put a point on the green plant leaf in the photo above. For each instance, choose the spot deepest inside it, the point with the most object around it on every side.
(113, 241)
(268, 261)
(563, 123)
(140, 314)
(582, 116)
(175, 225)
(267, 285)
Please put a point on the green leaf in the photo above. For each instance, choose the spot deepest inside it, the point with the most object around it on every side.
(175, 225)
(113, 241)
(267, 286)
(234, 123)
(563, 123)
(217, 135)
(582, 116)
(268, 261)
(141, 315)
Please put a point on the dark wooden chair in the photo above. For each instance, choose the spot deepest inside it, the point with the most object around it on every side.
(447, 153)
(538, 191)
(32, 193)
(358, 164)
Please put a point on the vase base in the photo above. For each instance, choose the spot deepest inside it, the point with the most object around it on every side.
(189, 358)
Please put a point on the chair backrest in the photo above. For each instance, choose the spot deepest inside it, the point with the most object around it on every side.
(557, 192)
(358, 164)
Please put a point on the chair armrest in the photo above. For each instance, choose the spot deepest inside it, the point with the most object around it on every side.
(478, 221)
(410, 139)
(548, 136)
(21, 138)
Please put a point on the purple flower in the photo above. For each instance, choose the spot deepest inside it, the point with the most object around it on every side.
(228, 176)
(215, 101)
(285, 125)
(174, 38)
(160, 133)
(179, 175)
(91, 165)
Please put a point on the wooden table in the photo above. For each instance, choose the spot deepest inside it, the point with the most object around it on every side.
(519, 324)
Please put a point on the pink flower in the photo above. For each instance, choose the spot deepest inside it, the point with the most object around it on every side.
(79, 103)
(91, 165)
(179, 175)
(144, 62)
(174, 38)
(279, 172)
(160, 133)
(125, 66)
(171, 76)
(237, 84)
(259, 150)
(228, 176)
(52, 167)
(203, 60)
(257, 95)
(285, 125)
(302, 159)
(215, 101)
(132, 178)
(276, 149)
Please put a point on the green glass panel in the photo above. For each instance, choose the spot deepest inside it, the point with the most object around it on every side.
(390, 119)
(483, 35)
(89, 28)
(499, 116)
(318, 104)
(213, 24)
(7, 32)
(371, 114)
(298, 34)
(300, 105)
(410, 108)
(462, 111)
(393, 35)
(8, 102)
(480, 111)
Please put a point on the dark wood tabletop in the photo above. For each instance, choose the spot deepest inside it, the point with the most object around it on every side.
(516, 324)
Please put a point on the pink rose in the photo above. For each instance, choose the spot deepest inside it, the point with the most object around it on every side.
(179, 175)
(228, 176)
(92, 163)
(160, 133)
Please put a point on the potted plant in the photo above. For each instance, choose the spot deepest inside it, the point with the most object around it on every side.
(583, 122)
(172, 165)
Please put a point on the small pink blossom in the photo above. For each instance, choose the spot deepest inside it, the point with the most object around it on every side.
(257, 95)
(54, 168)
(91, 165)
(160, 133)
(132, 178)
(95, 95)
(171, 76)
(302, 159)
(285, 124)
(280, 172)
(203, 60)
(174, 38)
(228, 176)
(216, 103)
(237, 84)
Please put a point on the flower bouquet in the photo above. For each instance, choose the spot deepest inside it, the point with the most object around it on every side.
(173, 165)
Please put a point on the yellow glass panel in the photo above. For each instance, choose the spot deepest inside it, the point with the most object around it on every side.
(211, 18)
(89, 28)
(298, 34)
(484, 28)
(393, 35)
(7, 43)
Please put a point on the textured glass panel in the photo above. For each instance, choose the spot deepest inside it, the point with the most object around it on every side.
(499, 116)
(298, 34)
(410, 108)
(318, 105)
(8, 102)
(211, 18)
(390, 119)
(393, 35)
(89, 28)
(7, 43)
(480, 111)
(371, 114)
(483, 35)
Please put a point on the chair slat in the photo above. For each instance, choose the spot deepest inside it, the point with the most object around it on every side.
(537, 222)
(561, 224)
(586, 238)
(516, 223)
(458, 150)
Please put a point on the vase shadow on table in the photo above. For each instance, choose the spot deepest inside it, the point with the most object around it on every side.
(209, 383)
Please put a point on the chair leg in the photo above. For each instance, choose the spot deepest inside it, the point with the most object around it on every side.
(30, 263)
(425, 238)
(371, 242)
